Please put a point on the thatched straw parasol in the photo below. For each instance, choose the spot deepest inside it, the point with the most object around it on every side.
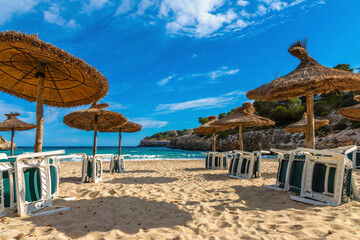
(36, 71)
(308, 79)
(208, 128)
(353, 112)
(129, 127)
(301, 125)
(95, 119)
(13, 124)
(243, 117)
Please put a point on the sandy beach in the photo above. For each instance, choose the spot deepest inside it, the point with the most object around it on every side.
(181, 200)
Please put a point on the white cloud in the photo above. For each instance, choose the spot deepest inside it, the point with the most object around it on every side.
(149, 122)
(125, 7)
(52, 15)
(213, 75)
(117, 106)
(9, 8)
(203, 103)
(164, 81)
(242, 3)
(195, 17)
(94, 5)
(143, 6)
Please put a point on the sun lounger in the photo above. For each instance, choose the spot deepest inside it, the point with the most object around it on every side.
(328, 178)
(92, 169)
(7, 186)
(33, 183)
(246, 165)
(117, 163)
(290, 175)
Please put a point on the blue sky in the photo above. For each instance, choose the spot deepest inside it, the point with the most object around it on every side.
(170, 61)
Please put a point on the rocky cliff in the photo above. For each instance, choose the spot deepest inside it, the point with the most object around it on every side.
(154, 143)
(266, 139)
(4, 145)
(263, 139)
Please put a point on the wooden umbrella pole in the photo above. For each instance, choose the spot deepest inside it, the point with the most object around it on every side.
(39, 113)
(119, 143)
(213, 142)
(95, 135)
(12, 142)
(241, 144)
(310, 133)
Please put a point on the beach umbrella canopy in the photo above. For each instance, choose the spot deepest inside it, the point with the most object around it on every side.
(12, 123)
(209, 128)
(129, 127)
(308, 79)
(243, 117)
(301, 125)
(353, 112)
(37, 71)
(95, 119)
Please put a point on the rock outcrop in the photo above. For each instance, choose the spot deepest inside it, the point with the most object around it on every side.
(4, 145)
(154, 143)
(262, 139)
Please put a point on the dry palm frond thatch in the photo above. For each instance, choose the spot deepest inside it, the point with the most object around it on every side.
(309, 76)
(13, 123)
(68, 81)
(301, 125)
(243, 116)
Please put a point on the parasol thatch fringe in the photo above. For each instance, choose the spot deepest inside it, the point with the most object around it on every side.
(301, 125)
(309, 76)
(208, 127)
(85, 119)
(352, 113)
(96, 89)
(12, 123)
(243, 116)
(129, 127)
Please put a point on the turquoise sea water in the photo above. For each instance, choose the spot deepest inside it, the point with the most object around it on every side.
(137, 153)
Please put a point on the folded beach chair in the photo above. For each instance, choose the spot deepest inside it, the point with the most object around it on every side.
(246, 165)
(92, 169)
(33, 183)
(7, 186)
(54, 163)
(209, 158)
(327, 179)
(290, 175)
(353, 153)
(117, 163)
(220, 160)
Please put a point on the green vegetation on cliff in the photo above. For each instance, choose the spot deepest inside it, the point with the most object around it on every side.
(168, 135)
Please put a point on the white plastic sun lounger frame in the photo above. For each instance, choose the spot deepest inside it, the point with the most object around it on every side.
(281, 157)
(251, 158)
(120, 161)
(222, 156)
(330, 159)
(7, 167)
(40, 161)
(56, 165)
(346, 150)
(94, 160)
(209, 155)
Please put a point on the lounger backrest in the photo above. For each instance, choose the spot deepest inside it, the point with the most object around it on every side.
(327, 176)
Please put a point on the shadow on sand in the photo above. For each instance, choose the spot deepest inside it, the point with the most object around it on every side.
(141, 171)
(127, 214)
(219, 176)
(142, 180)
(259, 198)
(70, 179)
(196, 169)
